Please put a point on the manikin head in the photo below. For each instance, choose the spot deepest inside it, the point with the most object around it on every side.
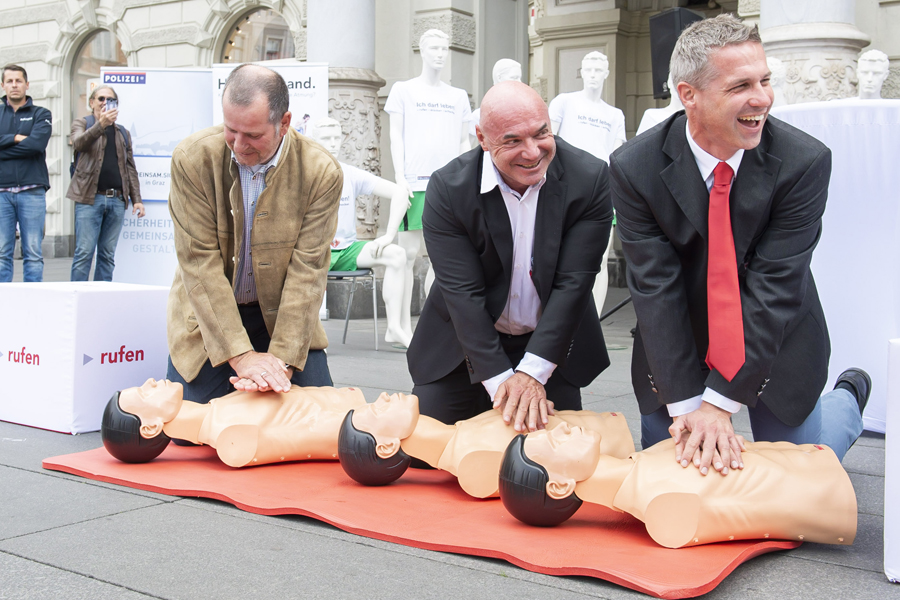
(871, 70)
(132, 424)
(255, 109)
(594, 70)
(328, 132)
(506, 69)
(720, 72)
(434, 46)
(515, 129)
(538, 496)
(369, 439)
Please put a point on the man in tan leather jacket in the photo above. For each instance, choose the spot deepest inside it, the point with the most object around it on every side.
(254, 206)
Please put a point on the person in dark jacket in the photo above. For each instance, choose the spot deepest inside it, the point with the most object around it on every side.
(105, 178)
(24, 132)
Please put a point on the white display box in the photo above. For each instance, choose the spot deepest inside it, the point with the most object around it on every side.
(66, 348)
(892, 466)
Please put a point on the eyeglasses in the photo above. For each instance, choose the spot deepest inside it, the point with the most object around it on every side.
(104, 98)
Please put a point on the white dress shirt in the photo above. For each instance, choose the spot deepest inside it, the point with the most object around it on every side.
(706, 162)
(523, 306)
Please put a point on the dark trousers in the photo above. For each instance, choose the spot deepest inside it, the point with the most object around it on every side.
(212, 382)
(454, 397)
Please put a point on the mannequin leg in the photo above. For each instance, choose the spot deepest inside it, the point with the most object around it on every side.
(410, 241)
(393, 288)
(601, 284)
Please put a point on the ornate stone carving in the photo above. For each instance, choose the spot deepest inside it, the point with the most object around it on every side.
(748, 8)
(540, 9)
(353, 102)
(891, 87)
(34, 14)
(24, 53)
(89, 12)
(540, 86)
(812, 80)
(184, 34)
(299, 43)
(460, 28)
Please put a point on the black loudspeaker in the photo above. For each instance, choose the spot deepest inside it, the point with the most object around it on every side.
(664, 31)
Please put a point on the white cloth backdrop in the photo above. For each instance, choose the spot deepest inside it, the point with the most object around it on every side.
(857, 262)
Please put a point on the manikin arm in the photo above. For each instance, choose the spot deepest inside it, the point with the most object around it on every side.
(464, 145)
(554, 126)
(399, 205)
(398, 153)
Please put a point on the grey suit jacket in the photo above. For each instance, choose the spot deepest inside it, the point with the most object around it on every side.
(777, 201)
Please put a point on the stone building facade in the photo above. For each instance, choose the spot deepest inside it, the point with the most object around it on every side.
(370, 44)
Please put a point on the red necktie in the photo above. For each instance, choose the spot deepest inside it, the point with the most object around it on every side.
(723, 295)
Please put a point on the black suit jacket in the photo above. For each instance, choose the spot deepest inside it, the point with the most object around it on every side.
(777, 201)
(469, 241)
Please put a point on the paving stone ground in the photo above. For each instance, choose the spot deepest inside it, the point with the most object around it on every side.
(66, 537)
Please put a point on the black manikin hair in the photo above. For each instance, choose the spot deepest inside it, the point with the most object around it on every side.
(523, 489)
(356, 451)
(121, 433)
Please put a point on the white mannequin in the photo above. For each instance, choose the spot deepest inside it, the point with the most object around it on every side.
(380, 251)
(872, 70)
(569, 117)
(776, 81)
(654, 116)
(505, 69)
(434, 46)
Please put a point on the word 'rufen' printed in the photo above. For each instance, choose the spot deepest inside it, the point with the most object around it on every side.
(23, 357)
(121, 356)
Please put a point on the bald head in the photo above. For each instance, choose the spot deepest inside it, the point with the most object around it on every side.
(248, 81)
(515, 130)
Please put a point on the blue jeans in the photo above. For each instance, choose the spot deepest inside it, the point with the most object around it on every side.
(212, 382)
(28, 208)
(834, 422)
(97, 227)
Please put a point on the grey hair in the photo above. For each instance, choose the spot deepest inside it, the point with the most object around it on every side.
(247, 81)
(433, 33)
(876, 56)
(690, 58)
(102, 87)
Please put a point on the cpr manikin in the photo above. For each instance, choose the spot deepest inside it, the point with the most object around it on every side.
(584, 120)
(784, 491)
(655, 116)
(471, 449)
(429, 128)
(777, 80)
(872, 70)
(505, 69)
(245, 428)
(348, 253)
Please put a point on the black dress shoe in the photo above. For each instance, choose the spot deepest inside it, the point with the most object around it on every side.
(858, 382)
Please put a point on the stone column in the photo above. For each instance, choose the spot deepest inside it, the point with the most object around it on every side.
(818, 42)
(347, 44)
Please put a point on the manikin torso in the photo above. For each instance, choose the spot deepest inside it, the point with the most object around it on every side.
(784, 491)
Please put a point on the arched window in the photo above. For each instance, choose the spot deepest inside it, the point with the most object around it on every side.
(261, 34)
(102, 49)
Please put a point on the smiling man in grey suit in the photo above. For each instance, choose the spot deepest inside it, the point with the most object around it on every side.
(719, 211)
(516, 231)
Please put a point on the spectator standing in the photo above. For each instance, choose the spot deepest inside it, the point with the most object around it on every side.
(24, 132)
(104, 179)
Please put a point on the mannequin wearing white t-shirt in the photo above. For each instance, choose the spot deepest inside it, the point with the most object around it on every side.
(434, 47)
(505, 69)
(584, 120)
(380, 251)
(655, 116)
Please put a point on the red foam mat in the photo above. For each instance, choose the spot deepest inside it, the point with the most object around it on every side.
(427, 509)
